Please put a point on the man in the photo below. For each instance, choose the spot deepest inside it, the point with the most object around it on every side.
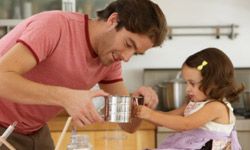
(50, 61)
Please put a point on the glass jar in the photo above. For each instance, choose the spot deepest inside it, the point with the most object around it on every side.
(79, 142)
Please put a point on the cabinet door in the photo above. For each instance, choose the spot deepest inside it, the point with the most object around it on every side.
(113, 140)
(161, 136)
(244, 137)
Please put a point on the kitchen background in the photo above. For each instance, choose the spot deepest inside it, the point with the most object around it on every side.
(13, 11)
(162, 63)
(19, 9)
(179, 13)
(195, 12)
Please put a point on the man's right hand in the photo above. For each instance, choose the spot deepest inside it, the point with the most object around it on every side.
(80, 107)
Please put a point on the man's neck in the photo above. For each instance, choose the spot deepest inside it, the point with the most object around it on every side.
(95, 30)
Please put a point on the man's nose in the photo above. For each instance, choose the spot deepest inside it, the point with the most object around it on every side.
(126, 55)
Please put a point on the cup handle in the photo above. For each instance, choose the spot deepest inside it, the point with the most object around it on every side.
(106, 108)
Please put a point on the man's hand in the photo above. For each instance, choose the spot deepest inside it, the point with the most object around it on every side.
(150, 96)
(80, 107)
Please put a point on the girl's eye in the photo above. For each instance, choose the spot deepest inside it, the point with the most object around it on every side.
(193, 84)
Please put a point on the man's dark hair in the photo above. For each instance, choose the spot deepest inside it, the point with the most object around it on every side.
(138, 16)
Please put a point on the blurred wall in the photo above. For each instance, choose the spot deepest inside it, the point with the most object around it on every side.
(195, 12)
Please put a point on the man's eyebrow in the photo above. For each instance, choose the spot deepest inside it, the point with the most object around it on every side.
(133, 43)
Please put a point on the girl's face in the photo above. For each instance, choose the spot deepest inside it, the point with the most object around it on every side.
(193, 78)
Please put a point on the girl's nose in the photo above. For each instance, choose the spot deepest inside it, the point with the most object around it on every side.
(187, 88)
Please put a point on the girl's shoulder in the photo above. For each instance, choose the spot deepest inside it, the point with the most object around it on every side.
(222, 109)
(211, 107)
(216, 105)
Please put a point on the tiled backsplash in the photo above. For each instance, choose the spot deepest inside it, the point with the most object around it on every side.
(153, 77)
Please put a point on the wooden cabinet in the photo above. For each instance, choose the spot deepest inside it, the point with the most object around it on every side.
(244, 137)
(243, 131)
(108, 136)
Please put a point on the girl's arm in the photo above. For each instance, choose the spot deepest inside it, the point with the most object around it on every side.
(209, 112)
(178, 111)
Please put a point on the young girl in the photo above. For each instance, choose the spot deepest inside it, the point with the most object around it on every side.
(206, 121)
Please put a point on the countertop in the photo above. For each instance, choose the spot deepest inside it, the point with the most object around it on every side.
(57, 124)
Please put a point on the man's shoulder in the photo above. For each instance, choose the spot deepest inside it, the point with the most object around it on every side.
(56, 14)
(56, 18)
(49, 14)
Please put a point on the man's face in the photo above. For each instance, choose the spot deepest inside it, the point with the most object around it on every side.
(121, 45)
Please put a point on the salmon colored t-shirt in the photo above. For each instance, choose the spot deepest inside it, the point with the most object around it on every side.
(60, 44)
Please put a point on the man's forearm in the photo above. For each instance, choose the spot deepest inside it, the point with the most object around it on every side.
(18, 89)
(132, 126)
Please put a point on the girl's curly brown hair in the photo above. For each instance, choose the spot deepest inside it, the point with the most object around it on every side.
(218, 80)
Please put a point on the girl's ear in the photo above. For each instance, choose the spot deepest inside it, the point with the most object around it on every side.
(113, 19)
(210, 88)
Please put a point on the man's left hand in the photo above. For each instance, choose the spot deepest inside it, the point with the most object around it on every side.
(150, 96)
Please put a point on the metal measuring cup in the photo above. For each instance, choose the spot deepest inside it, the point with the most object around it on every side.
(119, 108)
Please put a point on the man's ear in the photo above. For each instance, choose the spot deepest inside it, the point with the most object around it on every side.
(113, 19)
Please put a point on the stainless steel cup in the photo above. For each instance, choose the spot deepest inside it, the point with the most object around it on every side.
(119, 108)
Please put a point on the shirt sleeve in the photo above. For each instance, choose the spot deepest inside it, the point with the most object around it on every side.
(42, 35)
(114, 74)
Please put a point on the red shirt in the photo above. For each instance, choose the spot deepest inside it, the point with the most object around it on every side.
(60, 43)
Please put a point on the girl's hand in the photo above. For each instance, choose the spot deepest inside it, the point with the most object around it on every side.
(150, 96)
(143, 112)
